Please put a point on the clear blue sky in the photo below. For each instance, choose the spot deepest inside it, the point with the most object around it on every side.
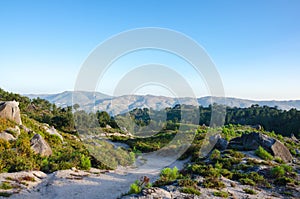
(254, 44)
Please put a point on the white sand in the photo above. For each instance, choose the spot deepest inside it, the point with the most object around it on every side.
(80, 184)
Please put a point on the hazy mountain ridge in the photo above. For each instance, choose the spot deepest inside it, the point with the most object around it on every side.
(122, 104)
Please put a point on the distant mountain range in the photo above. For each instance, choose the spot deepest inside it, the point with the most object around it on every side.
(114, 105)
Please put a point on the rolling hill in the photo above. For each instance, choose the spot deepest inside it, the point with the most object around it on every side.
(120, 104)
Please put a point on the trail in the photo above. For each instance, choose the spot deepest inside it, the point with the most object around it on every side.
(96, 183)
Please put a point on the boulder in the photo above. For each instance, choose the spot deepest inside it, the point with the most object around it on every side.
(221, 144)
(10, 110)
(155, 192)
(7, 136)
(53, 131)
(40, 146)
(253, 140)
(218, 142)
(279, 150)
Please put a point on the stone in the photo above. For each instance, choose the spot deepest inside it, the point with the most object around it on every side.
(27, 130)
(53, 131)
(7, 136)
(155, 192)
(221, 144)
(10, 110)
(293, 138)
(279, 150)
(40, 146)
(252, 141)
(14, 131)
(257, 127)
(218, 142)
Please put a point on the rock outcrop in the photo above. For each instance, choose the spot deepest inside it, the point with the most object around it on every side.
(53, 131)
(7, 136)
(10, 110)
(40, 146)
(253, 140)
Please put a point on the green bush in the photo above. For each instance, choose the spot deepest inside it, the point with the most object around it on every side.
(213, 183)
(187, 183)
(279, 160)
(249, 191)
(284, 181)
(215, 155)
(247, 181)
(235, 154)
(5, 185)
(85, 162)
(277, 171)
(135, 188)
(169, 174)
(263, 154)
(222, 194)
(190, 190)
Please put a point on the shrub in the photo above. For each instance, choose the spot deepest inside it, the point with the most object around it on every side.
(263, 154)
(213, 183)
(138, 185)
(249, 191)
(284, 181)
(277, 171)
(215, 155)
(5, 185)
(135, 188)
(287, 168)
(279, 160)
(168, 174)
(235, 154)
(247, 181)
(222, 194)
(186, 182)
(85, 162)
(190, 190)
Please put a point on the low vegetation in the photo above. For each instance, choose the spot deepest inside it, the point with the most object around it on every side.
(249, 191)
(93, 151)
(263, 154)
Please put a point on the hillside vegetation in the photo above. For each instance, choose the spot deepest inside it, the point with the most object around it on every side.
(84, 144)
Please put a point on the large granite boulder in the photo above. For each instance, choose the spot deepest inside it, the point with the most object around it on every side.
(253, 140)
(10, 110)
(40, 146)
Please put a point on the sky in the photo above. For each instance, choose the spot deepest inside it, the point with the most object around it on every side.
(255, 45)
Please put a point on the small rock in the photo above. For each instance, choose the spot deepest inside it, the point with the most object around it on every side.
(53, 131)
(155, 192)
(15, 131)
(7, 136)
(27, 130)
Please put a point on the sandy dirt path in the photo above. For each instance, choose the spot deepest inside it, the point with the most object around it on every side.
(96, 183)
